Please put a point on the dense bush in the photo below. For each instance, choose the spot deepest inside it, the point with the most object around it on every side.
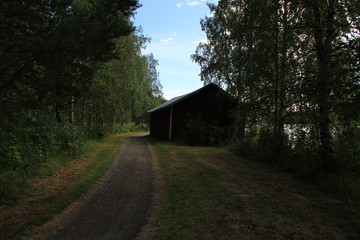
(347, 150)
(29, 151)
(199, 132)
(59, 85)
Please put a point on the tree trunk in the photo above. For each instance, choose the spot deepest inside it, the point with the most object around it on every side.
(276, 97)
(114, 125)
(71, 117)
(280, 80)
(57, 112)
(324, 81)
(283, 76)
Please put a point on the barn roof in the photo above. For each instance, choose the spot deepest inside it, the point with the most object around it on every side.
(175, 100)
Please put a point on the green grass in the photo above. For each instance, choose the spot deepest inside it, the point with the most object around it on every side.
(196, 205)
(96, 162)
(211, 193)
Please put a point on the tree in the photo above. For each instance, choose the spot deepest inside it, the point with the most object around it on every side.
(52, 47)
(68, 70)
(333, 27)
(123, 88)
(52, 54)
(289, 61)
(248, 51)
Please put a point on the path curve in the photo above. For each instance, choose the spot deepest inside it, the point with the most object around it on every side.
(118, 206)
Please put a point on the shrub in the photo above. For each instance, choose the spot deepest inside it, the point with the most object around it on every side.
(26, 152)
(10, 186)
(347, 151)
(69, 139)
(199, 132)
(13, 157)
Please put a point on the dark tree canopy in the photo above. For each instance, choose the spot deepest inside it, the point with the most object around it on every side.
(293, 66)
(69, 70)
(49, 49)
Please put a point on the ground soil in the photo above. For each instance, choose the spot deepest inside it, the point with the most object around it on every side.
(118, 206)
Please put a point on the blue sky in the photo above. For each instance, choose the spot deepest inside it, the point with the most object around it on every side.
(175, 31)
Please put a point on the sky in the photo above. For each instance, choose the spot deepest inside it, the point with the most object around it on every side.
(175, 32)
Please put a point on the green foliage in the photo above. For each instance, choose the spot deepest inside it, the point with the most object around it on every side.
(258, 148)
(50, 49)
(10, 188)
(69, 139)
(124, 89)
(290, 65)
(13, 157)
(199, 132)
(30, 152)
(131, 127)
(347, 148)
(70, 70)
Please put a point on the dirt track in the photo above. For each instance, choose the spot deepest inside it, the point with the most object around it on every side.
(118, 206)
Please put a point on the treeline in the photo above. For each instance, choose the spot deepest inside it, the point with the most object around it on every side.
(293, 67)
(69, 70)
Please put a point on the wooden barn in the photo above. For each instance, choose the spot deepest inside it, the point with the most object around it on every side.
(209, 103)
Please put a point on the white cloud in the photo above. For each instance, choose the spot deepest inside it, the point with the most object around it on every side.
(204, 40)
(166, 41)
(191, 3)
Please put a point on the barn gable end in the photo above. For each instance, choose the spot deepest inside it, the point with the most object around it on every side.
(210, 103)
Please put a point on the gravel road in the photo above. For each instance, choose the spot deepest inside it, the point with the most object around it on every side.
(118, 206)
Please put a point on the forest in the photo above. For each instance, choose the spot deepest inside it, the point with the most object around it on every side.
(69, 71)
(293, 67)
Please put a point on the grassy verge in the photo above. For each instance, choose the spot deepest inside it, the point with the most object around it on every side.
(211, 193)
(50, 195)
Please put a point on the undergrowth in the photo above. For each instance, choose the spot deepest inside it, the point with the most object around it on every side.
(39, 150)
(98, 157)
(302, 159)
(14, 180)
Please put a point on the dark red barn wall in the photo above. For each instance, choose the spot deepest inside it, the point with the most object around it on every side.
(211, 104)
(159, 123)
